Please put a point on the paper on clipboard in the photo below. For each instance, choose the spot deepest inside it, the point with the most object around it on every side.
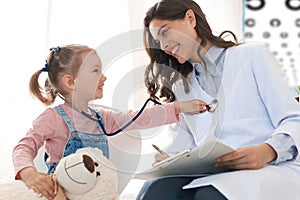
(199, 160)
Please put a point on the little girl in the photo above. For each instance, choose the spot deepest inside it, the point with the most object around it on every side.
(74, 74)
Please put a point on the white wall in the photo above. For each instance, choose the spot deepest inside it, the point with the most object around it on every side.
(22, 51)
(224, 15)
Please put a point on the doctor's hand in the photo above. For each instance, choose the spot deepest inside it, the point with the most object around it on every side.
(159, 157)
(252, 157)
(192, 106)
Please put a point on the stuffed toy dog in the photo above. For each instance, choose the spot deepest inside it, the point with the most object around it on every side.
(85, 175)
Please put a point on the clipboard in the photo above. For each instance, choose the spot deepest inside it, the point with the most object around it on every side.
(197, 161)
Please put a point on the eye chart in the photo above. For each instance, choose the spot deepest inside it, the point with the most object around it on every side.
(277, 23)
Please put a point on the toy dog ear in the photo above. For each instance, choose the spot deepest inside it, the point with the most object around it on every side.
(88, 163)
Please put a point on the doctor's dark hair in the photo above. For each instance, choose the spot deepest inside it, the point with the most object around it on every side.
(60, 61)
(156, 72)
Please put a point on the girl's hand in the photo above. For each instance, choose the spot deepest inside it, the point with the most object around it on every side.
(192, 106)
(59, 191)
(60, 195)
(253, 157)
(41, 183)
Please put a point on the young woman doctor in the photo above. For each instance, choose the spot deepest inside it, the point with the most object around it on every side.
(256, 114)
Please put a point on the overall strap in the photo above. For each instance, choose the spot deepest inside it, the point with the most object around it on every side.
(63, 114)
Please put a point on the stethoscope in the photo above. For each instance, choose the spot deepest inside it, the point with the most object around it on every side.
(210, 107)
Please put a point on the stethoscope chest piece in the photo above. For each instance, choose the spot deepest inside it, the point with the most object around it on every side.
(212, 106)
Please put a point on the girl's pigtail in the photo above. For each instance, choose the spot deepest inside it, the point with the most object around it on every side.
(51, 93)
(37, 91)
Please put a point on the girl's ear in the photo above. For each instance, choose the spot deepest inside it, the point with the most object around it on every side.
(190, 17)
(68, 81)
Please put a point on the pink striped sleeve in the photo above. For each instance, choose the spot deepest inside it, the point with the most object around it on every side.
(27, 148)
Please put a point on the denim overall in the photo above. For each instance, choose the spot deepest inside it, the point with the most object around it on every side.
(79, 140)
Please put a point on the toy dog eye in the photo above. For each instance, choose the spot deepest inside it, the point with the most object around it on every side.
(98, 174)
(96, 164)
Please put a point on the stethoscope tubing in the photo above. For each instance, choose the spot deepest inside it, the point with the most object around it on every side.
(129, 122)
(209, 107)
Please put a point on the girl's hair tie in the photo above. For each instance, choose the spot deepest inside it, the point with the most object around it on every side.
(46, 68)
(55, 49)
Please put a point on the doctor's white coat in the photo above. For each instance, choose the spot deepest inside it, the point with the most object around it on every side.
(254, 104)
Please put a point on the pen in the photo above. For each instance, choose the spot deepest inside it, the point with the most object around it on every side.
(159, 150)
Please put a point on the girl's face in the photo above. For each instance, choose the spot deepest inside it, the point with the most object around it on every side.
(177, 38)
(90, 80)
